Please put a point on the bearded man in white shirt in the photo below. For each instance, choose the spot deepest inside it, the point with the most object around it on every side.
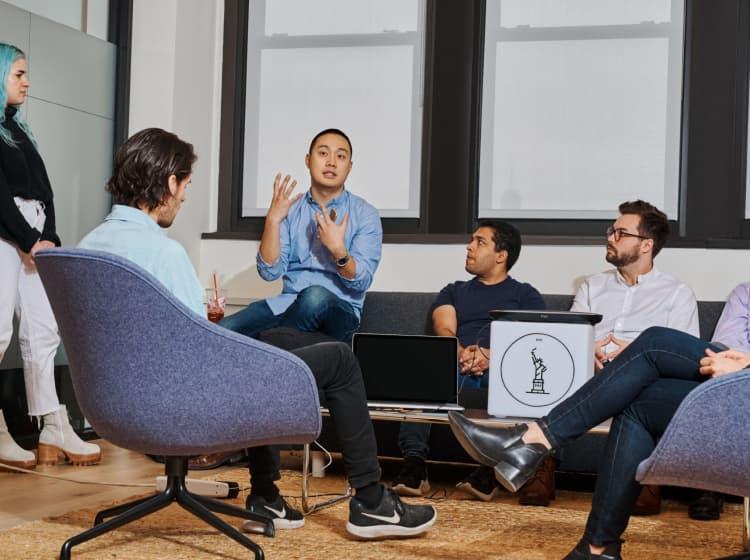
(631, 297)
(635, 295)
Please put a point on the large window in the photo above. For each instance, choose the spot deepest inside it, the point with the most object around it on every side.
(582, 103)
(357, 66)
(548, 113)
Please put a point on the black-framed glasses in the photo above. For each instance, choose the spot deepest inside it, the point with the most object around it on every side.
(619, 233)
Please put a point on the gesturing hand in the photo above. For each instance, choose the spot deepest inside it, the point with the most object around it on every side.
(621, 345)
(332, 234)
(722, 363)
(282, 198)
(599, 354)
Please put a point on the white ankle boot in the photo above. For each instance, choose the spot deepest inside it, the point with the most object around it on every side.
(10, 452)
(58, 438)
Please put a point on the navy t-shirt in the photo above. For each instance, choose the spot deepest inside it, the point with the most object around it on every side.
(474, 300)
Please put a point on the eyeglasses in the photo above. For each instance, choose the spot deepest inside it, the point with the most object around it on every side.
(619, 233)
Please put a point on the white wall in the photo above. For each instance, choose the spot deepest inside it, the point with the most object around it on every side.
(552, 269)
(175, 84)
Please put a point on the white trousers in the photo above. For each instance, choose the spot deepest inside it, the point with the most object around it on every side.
(22, 294)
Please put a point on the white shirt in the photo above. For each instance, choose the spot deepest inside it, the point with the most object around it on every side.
(657, 299)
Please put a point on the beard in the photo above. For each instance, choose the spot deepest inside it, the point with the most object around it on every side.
(620, 259)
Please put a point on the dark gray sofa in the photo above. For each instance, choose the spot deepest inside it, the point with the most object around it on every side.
(410, 313)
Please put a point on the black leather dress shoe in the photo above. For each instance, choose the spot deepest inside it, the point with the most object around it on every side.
(517, 464)
(583, 552)
(483, 443)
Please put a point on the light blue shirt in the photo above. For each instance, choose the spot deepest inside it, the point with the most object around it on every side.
(134, 235)
(304, 261)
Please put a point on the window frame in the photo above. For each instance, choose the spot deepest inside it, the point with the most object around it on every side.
(713, 144)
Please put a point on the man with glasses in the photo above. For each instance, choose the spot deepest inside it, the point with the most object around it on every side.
(631, 297)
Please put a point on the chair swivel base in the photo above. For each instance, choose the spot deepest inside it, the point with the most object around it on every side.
(175, 491)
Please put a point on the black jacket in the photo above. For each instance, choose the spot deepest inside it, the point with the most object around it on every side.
(22, 173)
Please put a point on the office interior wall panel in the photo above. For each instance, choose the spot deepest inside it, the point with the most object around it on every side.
(71, 68)
(65, 12)
(14, 26)
(77, 150)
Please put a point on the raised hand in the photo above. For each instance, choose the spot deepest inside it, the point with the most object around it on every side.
(332, 234)
(282, 198)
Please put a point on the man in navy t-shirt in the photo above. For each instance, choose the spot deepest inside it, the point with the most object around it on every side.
(461, 309)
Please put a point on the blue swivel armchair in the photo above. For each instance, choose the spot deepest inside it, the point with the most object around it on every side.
(152, 377)
(706, 444)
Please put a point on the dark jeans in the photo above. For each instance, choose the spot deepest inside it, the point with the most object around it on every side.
(340, 384)
(315, 309)
(641, 391)
(414, 438)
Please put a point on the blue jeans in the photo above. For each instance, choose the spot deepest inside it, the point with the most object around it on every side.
(315, 309)
(414, 438)
(641, 391)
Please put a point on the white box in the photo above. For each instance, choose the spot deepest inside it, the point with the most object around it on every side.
(535, 366)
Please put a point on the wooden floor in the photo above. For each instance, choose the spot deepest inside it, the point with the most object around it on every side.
(26, 497)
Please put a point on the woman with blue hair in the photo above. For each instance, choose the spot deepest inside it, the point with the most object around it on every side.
(27, 224)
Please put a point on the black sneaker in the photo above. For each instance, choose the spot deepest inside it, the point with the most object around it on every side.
(412, 479)
(391, 518)
(279, 511)
(583, 552)
(708, 506)
(481, 483)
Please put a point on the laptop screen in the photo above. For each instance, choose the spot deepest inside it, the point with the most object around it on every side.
(408, 368)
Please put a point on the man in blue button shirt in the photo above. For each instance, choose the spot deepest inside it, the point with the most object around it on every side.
(325, 244)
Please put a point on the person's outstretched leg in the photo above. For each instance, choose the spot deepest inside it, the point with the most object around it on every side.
(375, 511)
(265, 499)
(318, 309)
(659, 353)
(413, 441)
(251, 321)
(632, 438)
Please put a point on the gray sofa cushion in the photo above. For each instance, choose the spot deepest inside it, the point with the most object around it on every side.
(410, 312)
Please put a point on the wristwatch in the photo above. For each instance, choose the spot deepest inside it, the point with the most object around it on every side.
(342, 261)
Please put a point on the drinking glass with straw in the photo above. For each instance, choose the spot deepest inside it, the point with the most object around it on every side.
(215, 301)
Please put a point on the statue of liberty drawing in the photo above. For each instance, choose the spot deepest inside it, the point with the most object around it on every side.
(537, 384)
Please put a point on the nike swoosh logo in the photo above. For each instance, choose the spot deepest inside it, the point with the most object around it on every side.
(280, 514)
(395, 518)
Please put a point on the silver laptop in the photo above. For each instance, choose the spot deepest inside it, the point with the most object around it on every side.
(409, 372)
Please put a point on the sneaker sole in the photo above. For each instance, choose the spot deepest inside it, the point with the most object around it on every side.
(388, 531)
(256, 527)
(469, 489)
(404, 490)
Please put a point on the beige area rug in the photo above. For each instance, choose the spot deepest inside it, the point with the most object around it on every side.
(465, 529)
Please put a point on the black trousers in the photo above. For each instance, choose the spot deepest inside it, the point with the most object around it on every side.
(339, 379)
